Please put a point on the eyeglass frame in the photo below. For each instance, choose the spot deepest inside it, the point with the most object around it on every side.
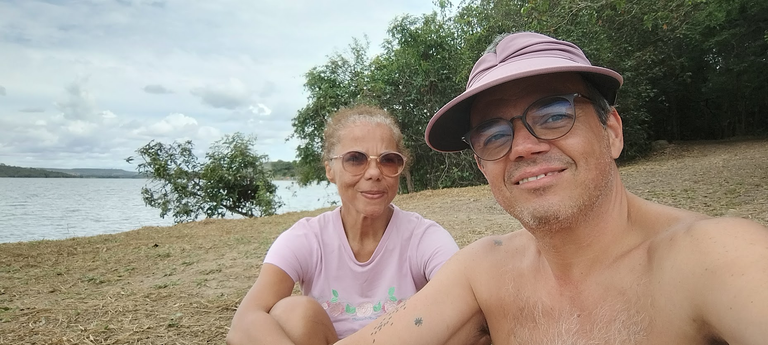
(368, 162)
(571, 97)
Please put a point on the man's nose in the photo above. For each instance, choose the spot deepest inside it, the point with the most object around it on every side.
(524, 143)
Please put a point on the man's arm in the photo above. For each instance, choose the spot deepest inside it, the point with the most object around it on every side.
(728, 283)
(434, 315)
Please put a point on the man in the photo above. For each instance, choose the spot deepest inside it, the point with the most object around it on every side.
(594, 264)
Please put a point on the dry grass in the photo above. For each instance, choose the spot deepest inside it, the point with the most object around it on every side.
(181, 284)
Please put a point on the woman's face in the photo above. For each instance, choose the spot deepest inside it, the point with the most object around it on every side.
(368, 193)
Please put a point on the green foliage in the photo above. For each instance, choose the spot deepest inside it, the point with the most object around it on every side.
(232, 180)
(283, 169)
(412, 79)
(693, 69)
(339, 83)
(415, 76)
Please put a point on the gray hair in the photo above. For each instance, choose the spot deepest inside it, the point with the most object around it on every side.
(492, 47)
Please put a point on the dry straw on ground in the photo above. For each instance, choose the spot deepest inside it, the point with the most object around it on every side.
(181, 284)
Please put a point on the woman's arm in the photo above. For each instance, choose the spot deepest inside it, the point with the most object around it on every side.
(252, 323)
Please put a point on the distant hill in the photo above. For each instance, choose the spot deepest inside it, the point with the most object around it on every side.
(12, 171)
(98, 173)
(281, 170)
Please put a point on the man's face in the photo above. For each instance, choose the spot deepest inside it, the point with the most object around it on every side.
(549, 184)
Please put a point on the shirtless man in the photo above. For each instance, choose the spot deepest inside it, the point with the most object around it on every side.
(595, 264)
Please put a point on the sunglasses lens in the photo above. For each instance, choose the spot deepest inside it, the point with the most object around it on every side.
(354, 162)
(391, 163)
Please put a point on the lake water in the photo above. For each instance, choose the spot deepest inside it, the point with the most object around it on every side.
(49, 208)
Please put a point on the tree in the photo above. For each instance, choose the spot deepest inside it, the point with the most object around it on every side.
(417, 73)
(693, 69)
(232, 180)
(283, 169)
(411, 79)
(340, 82)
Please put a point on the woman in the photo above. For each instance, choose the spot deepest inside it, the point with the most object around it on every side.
(353, 263)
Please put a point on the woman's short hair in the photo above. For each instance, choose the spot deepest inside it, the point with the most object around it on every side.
(344, 117)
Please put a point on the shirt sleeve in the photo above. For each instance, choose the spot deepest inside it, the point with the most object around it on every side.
(292, 251)
(435, 246)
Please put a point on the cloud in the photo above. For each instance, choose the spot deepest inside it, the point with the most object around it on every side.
(156, 89)
(32, 110)
(79, 104)
(257, 112)
(170, 124)
(260, 109)
(187, 62)
(231, 95)
(130, 3)
(58, 141)
(268, 89)
(176, 126)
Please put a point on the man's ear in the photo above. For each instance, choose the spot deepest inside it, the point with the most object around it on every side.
(480, 166)
(329, 172)
(615, 131)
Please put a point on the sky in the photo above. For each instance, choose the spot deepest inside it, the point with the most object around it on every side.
(84, 83)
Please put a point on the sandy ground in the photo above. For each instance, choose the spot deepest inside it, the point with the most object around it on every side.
(181, 284)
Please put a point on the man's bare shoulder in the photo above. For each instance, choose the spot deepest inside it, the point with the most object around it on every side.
(492, 253)
(514, 243)
(710, 247)
(714, 270)
(712, 234)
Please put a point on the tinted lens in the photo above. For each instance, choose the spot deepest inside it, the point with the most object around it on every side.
(492, 139)
(391, 163)
(354, 162)
(551, 118)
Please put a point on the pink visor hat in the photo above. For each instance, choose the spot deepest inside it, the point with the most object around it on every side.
(517, 56)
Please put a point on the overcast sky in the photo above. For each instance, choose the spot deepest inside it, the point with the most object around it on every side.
(84, 83)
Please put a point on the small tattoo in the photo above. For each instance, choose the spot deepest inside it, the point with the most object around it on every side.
(418, 322)
(497, 243)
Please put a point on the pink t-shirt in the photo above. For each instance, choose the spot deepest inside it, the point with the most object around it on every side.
(315, 252)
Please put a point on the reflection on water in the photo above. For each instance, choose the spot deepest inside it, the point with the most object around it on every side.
(35, 209)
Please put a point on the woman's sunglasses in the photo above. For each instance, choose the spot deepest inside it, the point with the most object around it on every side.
(391, 164)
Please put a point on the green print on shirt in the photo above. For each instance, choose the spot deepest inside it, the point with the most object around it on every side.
(364, 310)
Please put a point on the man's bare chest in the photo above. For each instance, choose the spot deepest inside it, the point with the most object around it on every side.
(553, 322)
(631, 313)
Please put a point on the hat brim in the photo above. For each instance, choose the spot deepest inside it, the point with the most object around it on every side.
(451, 122)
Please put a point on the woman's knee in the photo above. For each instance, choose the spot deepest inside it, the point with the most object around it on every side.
(297, 307)
(302, 317)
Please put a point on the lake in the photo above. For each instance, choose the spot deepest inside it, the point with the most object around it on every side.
(51, 208)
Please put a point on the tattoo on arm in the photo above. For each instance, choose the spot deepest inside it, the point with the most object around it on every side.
(387, 320)
(497, 243)
(418, 321)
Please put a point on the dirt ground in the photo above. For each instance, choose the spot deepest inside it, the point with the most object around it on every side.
(181, 284)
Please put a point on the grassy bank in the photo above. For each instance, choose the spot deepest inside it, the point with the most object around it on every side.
(181, 284)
